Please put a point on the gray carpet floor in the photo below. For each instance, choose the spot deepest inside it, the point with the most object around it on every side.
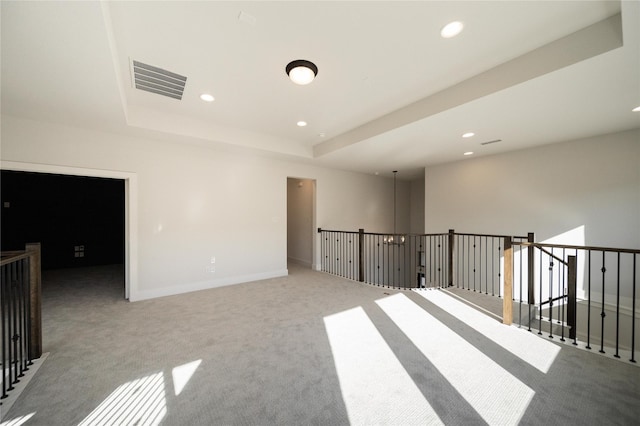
(307, 349)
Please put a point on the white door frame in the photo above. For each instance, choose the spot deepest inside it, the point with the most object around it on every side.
(130, 209)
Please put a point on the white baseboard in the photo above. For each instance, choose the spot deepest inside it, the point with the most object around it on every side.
(204, 285)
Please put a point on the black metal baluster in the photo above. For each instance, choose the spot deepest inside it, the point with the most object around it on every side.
(468, 262)
(499, 270)
(551, 294)
(602, 314)
(439, 260)
(633, 311)
(385, 263)
(370, 265)
(377, 249)
(3, 339)
(520, 298)
(12, 330)
(561, 291)
(561, 318)
(434, 260)
(540, 309)
(617, 355)
(353, 256)
(574, 317)
(20, 312)
(458, 259)
(406, 261)
(329, 253)
(589, 300)
(493, 265)
(325, 258)
(529, 284)
(474, 263)
(340, 247)
(25, 318)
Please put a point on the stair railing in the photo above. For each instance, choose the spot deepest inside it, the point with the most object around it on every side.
(573, 285)
(20, 314)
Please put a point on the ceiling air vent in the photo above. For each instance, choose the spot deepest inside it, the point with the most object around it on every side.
(490, 142)
(156, 80)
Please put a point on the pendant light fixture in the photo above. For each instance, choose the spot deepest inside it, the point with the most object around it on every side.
(301, 71)
(394, 239)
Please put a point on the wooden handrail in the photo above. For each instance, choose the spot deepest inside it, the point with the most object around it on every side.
(13, 256)
(490, 235)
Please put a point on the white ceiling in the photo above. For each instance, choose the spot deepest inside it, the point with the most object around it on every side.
(390, 94)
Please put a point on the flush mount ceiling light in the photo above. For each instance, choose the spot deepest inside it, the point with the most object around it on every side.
(636, 109)
(301, 71)
(468, 135)
(452, 29)
(301, 123)
(468, 153)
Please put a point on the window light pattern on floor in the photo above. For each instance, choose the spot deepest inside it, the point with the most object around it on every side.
(139, 402)
(509, 398)
(375, 386)
(537, 352)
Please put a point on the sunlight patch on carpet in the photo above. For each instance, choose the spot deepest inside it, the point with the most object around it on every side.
(493, 392)
(139, 402)
(18, 420)
(182, 374)
(375, 386)
(537, 352)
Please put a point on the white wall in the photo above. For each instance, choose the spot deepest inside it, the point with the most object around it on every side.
(417, 206)
(194, 202)
(589, 185)
(300, 228)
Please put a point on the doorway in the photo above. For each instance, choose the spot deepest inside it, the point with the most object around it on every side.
(129, 183)
(301, 196)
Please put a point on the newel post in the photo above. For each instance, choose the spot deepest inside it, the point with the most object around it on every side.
(35, 296)
(450, 256)
(507, 301)
(531, 296)
(361, 255)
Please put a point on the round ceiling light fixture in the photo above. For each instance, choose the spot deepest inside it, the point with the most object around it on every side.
(468, 135)
(636, 109)
(301, 71)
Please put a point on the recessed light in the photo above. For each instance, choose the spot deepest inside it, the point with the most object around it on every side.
(301, 123)
(468, 135)
(207, 97)
(468, 153)
(452, 29)
(636, 109)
